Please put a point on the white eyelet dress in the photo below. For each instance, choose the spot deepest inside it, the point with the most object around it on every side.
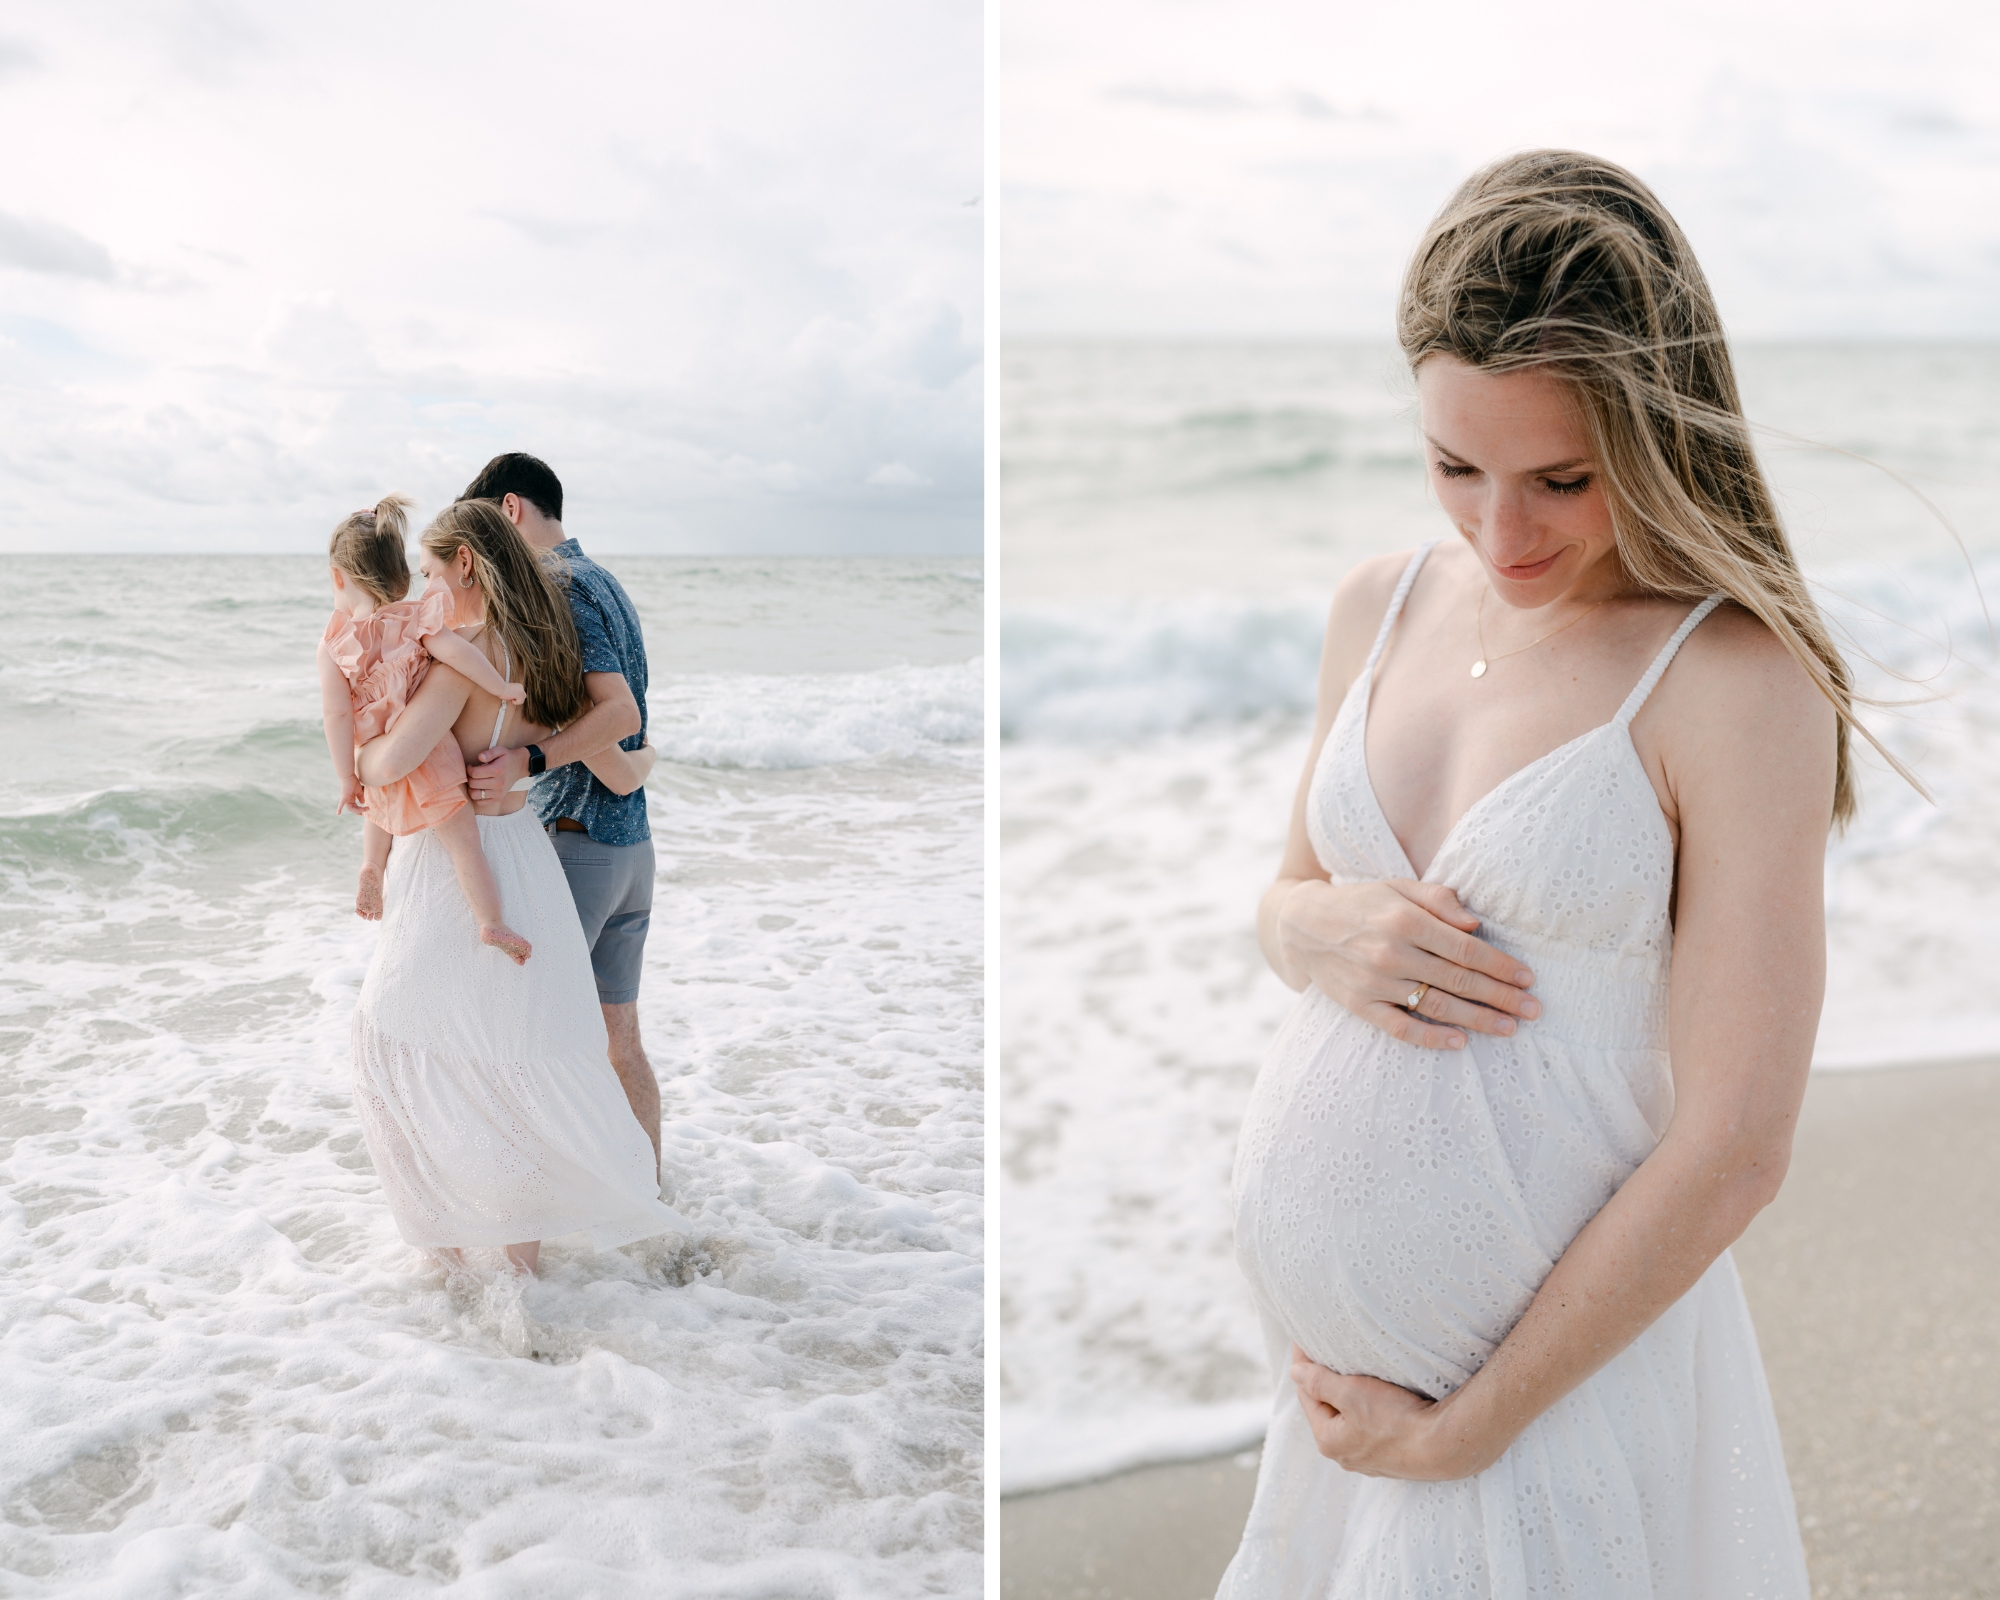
(486, 1092)
(1397, 1208)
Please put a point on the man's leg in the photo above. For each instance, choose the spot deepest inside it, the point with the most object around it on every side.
(635, 1072)
(613, 889)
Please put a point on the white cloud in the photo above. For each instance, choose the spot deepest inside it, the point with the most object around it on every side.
(1204, 167)
(35, 245)
(258, 265)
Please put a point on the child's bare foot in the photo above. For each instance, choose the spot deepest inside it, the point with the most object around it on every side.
(368, 895)
(507, 942)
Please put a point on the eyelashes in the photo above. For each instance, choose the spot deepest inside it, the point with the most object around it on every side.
(1452, 470)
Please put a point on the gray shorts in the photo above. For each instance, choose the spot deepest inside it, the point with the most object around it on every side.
(612, 885)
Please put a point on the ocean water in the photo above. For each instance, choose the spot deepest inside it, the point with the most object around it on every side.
(224, 1372)
(1176, 518)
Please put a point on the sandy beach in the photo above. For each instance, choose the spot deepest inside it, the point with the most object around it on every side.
(1873, 1283)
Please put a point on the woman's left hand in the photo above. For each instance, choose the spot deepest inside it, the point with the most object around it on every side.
(1375, 1428)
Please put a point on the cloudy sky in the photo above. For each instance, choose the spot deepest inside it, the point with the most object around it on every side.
(1263, 167)
(720, 264)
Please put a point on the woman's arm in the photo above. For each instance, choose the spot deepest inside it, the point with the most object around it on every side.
(425, 720)
(468, 662)
(336, 707)
(620, 770)
(1368, 945)
(1749, 759)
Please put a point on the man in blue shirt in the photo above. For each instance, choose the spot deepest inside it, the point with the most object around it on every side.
(601, 838)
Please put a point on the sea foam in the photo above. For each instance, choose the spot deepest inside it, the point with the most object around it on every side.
(787, 722)
(226, 1373)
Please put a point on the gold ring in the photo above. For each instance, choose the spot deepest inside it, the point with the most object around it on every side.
(1417, 996)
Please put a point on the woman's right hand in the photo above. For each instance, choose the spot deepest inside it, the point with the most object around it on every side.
(1367, 946)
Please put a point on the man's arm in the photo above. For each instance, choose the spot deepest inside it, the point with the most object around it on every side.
(622, 771)
(613, 715)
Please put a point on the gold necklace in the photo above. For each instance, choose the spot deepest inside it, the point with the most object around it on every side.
(1479, 667)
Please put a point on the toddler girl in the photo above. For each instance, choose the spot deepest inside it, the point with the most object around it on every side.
(374, 653)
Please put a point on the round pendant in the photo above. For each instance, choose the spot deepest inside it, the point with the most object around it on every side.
(1479, 669)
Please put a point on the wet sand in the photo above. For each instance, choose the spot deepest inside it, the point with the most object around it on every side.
(1875, 1283)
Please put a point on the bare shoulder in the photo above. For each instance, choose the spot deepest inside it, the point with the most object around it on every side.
(1736, 665)
(1737, 709)
(1364, 593)
(1358, 607)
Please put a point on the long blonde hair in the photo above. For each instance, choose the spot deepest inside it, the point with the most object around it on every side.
(1557, 261)
(525, 605)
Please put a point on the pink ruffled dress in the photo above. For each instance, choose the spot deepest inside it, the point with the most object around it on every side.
(383, 658)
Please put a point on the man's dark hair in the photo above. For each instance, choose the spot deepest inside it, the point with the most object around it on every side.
(525, 475)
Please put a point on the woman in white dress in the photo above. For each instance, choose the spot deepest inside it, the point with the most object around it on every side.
(486, 1091)
(1484, 1209)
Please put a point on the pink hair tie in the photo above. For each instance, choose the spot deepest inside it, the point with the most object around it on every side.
(365, 511)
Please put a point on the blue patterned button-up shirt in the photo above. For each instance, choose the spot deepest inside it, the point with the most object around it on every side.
(607, 627)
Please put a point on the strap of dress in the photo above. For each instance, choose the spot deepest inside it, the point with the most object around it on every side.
(506, 672)
(1645, 685)
(1403, 585)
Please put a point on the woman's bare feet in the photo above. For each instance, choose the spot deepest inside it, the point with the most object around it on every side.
(524, 1257)
(507, 942)
(368, 895)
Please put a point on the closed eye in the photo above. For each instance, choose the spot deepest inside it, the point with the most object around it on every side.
(1449, 469)
(1568, 486)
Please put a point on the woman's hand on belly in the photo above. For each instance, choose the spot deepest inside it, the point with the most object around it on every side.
(1367, 947)
(1379, 1430)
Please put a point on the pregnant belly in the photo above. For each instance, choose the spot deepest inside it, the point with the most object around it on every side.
(1397, 1209)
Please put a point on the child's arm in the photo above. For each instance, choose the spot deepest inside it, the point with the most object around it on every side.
(466, 660)
(337, 713)
(622, 771)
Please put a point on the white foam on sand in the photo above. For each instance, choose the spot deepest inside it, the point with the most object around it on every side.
(226, 1375)
(1137, 837)
(1134, 1008)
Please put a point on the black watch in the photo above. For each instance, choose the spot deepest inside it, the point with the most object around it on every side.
(537, 762)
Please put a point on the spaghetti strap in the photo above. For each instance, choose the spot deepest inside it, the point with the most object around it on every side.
(506, 669)
(1645, 685)
(1403, 585)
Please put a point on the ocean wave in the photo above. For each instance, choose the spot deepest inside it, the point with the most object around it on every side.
(818, 720)
(1075, 676)
(1077, 673)
(142, 829)
(1052, 1450)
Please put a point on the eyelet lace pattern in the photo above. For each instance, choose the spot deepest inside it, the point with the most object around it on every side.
(1397, 1209)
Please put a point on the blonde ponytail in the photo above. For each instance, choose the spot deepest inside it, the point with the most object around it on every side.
(369, 547)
